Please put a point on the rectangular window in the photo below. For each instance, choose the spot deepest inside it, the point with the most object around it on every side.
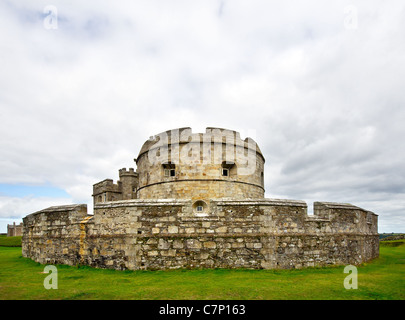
(199, 208)
(225, 172)
(170, 172)
(169, 169)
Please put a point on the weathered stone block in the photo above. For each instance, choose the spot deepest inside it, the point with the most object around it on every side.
(153, 253)
(178, 244)
(210, 245)
(190, 230)
(193, 244)
(221, 230)
(173, 229)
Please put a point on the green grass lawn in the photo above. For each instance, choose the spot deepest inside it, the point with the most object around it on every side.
(383, 278)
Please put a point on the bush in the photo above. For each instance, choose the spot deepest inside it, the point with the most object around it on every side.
(396, 243)
(10, 241)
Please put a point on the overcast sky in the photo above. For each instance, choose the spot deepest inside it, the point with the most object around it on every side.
(318, 84)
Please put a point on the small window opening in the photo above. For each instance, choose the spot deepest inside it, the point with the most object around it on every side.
(169, 169)
(170, 172)
(226, 167)
(200, 207)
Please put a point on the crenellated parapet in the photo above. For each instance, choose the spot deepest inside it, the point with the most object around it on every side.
(130, 172)
(124, 189)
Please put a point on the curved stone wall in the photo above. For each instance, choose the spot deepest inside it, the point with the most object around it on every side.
(215, 164)
(201, 189)
(170, 234)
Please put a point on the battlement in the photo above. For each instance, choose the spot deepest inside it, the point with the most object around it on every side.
(124, 189)
(185, 136)
(107, 185)
(129, 172)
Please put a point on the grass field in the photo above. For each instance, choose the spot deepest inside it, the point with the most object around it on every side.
(383, 278)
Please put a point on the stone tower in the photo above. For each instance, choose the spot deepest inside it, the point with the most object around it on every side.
(124, 189)
(129, 182)
(179, 164)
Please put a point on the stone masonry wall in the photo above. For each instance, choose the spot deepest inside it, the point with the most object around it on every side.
(54, 235)
(165, 234)
(201, 189)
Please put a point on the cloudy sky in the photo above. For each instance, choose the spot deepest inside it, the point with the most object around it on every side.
(318, 84)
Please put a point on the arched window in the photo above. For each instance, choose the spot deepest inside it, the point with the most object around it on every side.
(200, 208)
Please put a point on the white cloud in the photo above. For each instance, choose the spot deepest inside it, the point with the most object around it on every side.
(16, 207)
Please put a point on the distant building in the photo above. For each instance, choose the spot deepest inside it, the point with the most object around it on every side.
(14, 230)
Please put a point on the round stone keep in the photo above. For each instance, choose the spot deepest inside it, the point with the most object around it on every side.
(184, 165)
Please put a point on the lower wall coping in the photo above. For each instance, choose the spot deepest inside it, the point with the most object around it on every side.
(181, 202)
(142, 203)
(69, 207)
(337, 205)
(314, 218)
(219, 201)
(263, 202)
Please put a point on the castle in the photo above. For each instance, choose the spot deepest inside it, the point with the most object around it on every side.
(14, 230)
(196, 200)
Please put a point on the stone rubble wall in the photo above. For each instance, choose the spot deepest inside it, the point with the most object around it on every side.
(54, 235)
(167, 234)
